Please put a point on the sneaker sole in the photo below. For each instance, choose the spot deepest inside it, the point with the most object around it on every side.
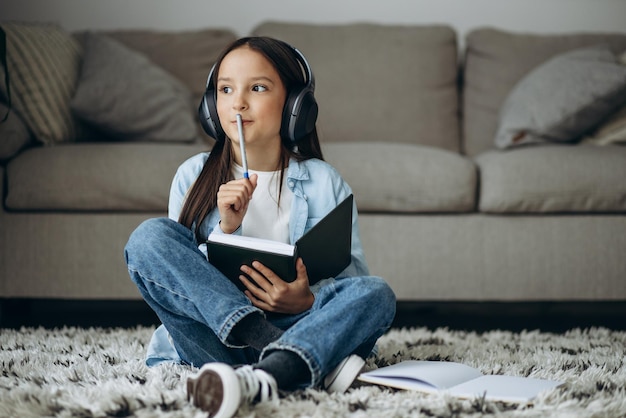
(347, 375)
(206, 390)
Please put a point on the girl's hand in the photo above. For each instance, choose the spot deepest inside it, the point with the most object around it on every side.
(273, 294)
(232, 202)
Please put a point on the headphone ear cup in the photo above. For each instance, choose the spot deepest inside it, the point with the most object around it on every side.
(305, 122)
(207, 111)
(299, 114)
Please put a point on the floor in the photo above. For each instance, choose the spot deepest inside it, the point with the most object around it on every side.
(477, 316)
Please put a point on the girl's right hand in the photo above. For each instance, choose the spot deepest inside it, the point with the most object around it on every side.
(232, 202)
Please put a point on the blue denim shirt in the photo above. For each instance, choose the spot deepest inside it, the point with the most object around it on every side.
(317, 188)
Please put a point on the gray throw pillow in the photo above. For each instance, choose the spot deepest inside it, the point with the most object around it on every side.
(127, 96)
(563, 98)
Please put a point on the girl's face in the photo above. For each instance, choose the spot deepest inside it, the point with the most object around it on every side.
(248, 84)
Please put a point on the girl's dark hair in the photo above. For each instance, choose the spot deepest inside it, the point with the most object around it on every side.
(201, 198)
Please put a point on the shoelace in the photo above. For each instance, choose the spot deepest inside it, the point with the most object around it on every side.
(255, 380)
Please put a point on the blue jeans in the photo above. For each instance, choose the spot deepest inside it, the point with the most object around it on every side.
(199, 306)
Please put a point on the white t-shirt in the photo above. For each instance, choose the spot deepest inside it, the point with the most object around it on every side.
(265, 218)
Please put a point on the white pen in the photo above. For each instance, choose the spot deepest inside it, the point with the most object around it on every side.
(242, 146)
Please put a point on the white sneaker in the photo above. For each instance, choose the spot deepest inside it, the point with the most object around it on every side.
(219, 389)
(340, 379)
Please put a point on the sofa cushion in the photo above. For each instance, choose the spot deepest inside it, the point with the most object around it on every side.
(43, 62)
(124, 94)
(95, 176)
(14, 135)
(563, 98)
(553, 179)
(496, 60)
(380, 83)
(392, 177)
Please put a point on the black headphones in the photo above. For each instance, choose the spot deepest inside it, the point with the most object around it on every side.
(299, 112)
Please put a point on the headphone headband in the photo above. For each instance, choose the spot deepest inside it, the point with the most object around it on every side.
(299, 112)
(310, 78)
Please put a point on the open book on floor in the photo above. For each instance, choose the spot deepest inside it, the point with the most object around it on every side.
(458, 380)
(325, 249)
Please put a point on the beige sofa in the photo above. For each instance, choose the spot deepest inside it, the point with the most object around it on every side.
(408, 119)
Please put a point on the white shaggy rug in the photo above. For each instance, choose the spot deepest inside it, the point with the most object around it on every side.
(73, 372)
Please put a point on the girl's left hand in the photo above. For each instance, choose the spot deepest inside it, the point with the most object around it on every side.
(273, 294)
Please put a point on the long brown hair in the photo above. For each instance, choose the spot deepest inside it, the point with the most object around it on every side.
(201, 198)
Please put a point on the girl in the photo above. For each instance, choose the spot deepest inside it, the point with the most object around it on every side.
(281, 335)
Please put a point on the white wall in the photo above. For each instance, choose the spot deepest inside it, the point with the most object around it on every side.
(541, 16)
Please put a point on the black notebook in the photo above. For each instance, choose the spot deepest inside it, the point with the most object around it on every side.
(325, 249)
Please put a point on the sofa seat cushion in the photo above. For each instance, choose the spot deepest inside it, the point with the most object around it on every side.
(393, 177)
(553, 179)
(95, 176)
